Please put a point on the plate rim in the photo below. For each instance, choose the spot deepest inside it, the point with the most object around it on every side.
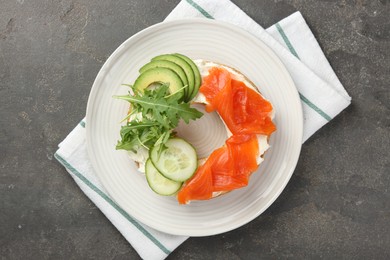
(229, 26)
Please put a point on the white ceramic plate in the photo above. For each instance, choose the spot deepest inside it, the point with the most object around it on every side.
(209, 40)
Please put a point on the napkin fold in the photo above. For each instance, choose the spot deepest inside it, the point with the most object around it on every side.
(320, 91)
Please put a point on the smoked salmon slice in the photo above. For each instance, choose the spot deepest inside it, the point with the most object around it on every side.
(200, 186)
(246, 114)
(233, 172)
(226, 169)
(212, 85)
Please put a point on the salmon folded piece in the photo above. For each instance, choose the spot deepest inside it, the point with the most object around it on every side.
(246, 113)
(242, 109)
(226, 169)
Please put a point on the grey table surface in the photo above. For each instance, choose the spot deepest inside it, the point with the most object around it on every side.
(337, 204)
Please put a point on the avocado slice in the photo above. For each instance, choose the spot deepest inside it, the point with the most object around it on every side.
(166, 64)
(198, 78)
(159, 75)
(187, 70)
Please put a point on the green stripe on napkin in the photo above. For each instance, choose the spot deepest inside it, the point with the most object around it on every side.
(111, 202)
(200, 9)
(82, 123)
(314, 107)
(292, 50)
(286, 40)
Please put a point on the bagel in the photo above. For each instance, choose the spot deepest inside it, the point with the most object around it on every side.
(262, 140)
(204, 66)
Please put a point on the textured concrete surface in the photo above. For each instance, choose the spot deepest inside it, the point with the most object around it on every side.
(337, 204)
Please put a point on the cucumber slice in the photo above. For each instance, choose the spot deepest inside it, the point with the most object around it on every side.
(166, 64)
(158, 183)
(198, 78)
(178, 162)
(187, 70)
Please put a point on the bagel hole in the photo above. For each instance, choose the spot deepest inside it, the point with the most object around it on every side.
(205, 134)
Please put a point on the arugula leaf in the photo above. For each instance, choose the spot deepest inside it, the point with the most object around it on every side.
(154, 115)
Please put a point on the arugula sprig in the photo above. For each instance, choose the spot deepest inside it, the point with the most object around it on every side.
(154, 115)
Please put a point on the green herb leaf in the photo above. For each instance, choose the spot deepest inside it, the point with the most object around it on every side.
(154, 115)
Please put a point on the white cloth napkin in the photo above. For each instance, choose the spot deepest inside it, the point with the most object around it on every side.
(322, 95)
